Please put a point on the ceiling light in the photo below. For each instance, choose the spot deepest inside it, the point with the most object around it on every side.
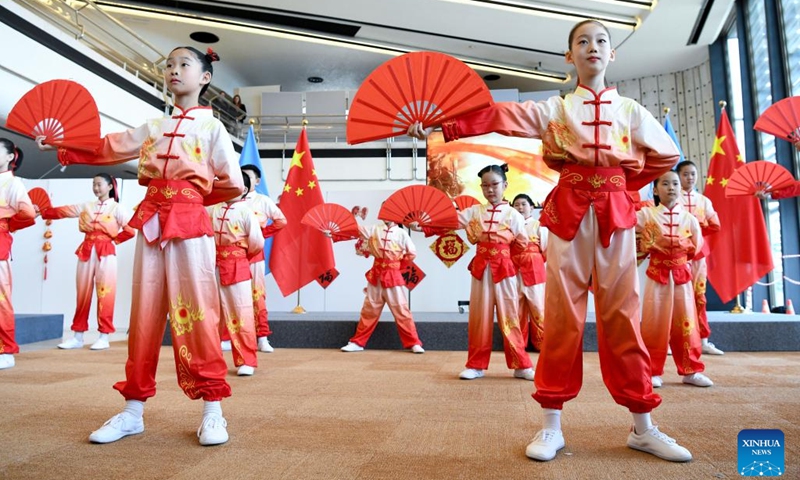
(204, 37)
(315, 79)
(491, 77)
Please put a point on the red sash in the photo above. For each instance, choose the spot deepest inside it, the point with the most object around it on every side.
(529, 262)
(258, 258)
(661, 265)
(5, 240)
(497, 256)
(102, 243)
(180, 210)
(233, 264)
(387, 272)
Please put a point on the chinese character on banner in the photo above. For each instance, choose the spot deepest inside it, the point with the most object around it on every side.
(327, 278)
(412, 274)
(449, 248)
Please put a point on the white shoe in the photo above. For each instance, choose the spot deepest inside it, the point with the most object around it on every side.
(524, 373)
(698, 380)
(264, 346)
(119, 426)
(545, 444)
(657, 382)
(470, 374)
(659, 444)
(352, 347)
(417, 349)
(71, 344)
(245, 371)
(225, 345)
(213, 430)
(710, 349)
(101, 344)
(6, 361)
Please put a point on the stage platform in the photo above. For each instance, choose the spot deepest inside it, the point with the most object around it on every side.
(32, 328)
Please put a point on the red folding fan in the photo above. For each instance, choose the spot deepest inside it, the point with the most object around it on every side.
(40, 198)
(757, 176)
(334, 218)
(426, 87)
(61, 110)
(463, 202)
(426, 205)
(781, 119)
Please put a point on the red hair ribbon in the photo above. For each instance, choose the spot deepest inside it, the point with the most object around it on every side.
(212, 55)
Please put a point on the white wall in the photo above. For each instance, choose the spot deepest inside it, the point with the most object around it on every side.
(251, 97)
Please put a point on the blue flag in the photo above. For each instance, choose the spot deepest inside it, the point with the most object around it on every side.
(250, 156)
(671, 133)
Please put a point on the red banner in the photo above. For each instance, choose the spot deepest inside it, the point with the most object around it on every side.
(412, 274)
(449, 248)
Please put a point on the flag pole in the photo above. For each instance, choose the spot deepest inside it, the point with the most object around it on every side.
(299, 308)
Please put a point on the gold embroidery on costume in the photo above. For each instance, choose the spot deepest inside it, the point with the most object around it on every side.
(550, 212)
(571, 177)
(597, 180)
(182, 316)
(103, 290)
(195, 150)
(258, 293)
(233, 323)
(185, 379)
(168, 192)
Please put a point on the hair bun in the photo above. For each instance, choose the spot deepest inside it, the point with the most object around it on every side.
(504, 167)
(211, 55)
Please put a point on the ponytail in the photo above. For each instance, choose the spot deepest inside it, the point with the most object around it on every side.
(16, 162)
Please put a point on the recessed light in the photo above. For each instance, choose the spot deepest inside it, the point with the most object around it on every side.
(204, 37)
(315, 79)
(490, 77)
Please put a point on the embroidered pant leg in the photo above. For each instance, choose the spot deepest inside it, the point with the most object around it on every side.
(657, 315)
(685, 335)
(236, 307)
(260, 299)
(506, 297)
(699, 279)
(106, 278)
(84, 283)
(532, 316)
(398, 304)
(370, 314)
(481, 321)
(8, 344)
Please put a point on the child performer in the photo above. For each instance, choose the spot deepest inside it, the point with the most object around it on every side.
(238, 238)
(531, 274)
(16, 212)
(186, 160)
(104, 224)
(265, 210)
(602, 145)
(671, 236)
(389, 244)
(700, 206)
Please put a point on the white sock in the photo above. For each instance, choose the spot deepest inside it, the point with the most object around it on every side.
(79, 336)
(212, 408)
(552, 418)
(134, 408)
(704, 341)
(642, 422)
(103, 336)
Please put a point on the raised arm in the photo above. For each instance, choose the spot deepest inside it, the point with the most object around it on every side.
(116, 148)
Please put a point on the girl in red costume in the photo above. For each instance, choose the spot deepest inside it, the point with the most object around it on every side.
(104, 224)
(671, 236)
(16, 212)
(186, 161)
(531, 274)
(603, 145)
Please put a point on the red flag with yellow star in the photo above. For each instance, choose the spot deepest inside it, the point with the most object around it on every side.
(300, 253)
(740, 251)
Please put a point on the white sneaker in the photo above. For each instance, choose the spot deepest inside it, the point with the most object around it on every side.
(524, 373)
(225, 345)
(417, 349)
(6, 361)
(352, 347)
(698, 380)
(119, 426)
(71, 344)
(710, 349)
(657, 382)
(545, 444)
(100, 344)
(213, 430)
(669, 350)
(470, 374)
(659, 444)
(264, 346)
(245, 371)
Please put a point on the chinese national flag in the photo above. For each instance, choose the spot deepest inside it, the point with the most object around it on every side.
(300, 253)
(740, 251)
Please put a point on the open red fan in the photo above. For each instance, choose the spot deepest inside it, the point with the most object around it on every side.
(781, 119)
(463, 202)
(426, 87)
(40, 197)
(428, 206)
(61, 110)
(757, 176)
(334, 218)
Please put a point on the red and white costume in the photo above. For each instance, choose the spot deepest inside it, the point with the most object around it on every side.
(602, 145)
(185, 161)
(238, 238)
(16, 212)
(529, 261)
(700, 206)
(104, 225)
(385, 283)
(671, 237)
(494, 229)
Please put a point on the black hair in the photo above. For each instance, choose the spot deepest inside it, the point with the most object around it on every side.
(252, 168)
(206, 62)
(11, 148)
(498, 169)
(582, 23)
(656, 199)
(683, 164)
(246, 179)
(523, 196)
(111, 181)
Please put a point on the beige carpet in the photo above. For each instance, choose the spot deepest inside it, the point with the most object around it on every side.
(324, 414)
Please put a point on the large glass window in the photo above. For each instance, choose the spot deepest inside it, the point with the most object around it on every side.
(790, 13)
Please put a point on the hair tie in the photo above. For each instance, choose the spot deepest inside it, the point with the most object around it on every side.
(212, 55)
